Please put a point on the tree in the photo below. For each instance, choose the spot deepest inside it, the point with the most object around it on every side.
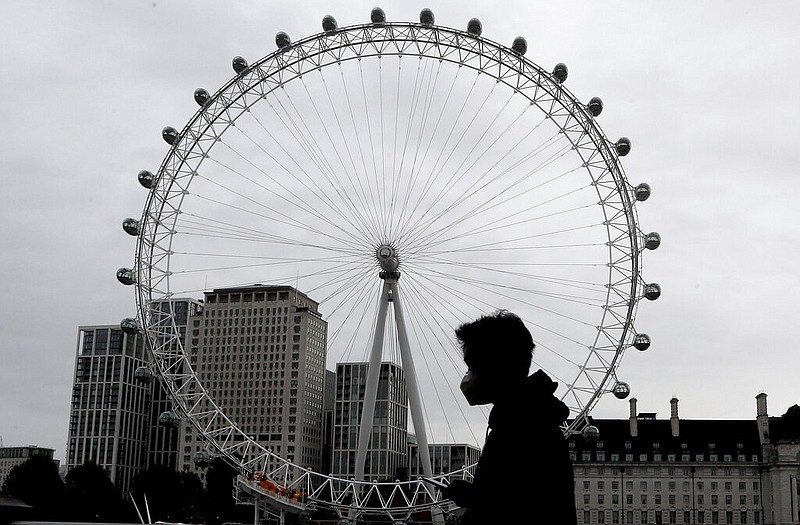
(37, 483)
(170, 496)
(91, 495)
(219, 488)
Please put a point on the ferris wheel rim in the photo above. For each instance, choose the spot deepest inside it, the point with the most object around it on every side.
(146, 285)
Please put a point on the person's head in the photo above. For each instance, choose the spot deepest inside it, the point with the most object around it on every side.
(497, 350)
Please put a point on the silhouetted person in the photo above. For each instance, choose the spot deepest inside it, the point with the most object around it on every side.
(524, 474)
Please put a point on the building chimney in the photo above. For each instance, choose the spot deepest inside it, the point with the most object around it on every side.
(632, 419)
(674, 422)
(762, 418)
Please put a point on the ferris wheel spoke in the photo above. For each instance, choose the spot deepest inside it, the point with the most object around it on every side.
(357, 186)
(496, 287)
(314, 151)
(452, 149)
(496, 269)
(272, 215)
(417, 174)
(500, 197)
(312, 185)
(428, 312)
(428, 88)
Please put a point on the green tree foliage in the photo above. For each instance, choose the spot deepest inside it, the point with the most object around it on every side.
(91, 496)
(170, 495)
(37, 483)
(219, 489)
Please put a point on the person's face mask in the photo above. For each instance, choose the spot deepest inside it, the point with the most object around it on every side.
(474, 389)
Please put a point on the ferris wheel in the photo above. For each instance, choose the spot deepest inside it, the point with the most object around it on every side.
(408, 177)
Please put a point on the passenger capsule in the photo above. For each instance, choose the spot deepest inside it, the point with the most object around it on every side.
(201, 459)
(426, 17)
(282, 40)
(169, 134)
(168, 419)
(642, 192)
(474, 27)
(520, 45)
(377, 16)
(623, 146)
(595, 106)
(201, 96)
(621, 390)
(129, 326)
(143, 374)
(560, 72)
(131, 226)
(146, 179)
(125, 276)
(641, 342)
(652, 241)
(652, 291)
(329, 23)
(591, 433)
(239, 64)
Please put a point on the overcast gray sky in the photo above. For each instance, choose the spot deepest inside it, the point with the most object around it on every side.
(707, 92)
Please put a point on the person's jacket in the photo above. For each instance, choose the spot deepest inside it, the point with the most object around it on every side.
(524, 474)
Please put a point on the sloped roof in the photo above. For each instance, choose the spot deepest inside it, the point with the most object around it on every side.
(695, 435)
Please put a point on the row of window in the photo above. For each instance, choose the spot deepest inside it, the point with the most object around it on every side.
(672, 516)
(656, 499)
(672, 485)
(600, 455)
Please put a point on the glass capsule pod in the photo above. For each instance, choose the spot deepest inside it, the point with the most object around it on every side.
(129, 326)
(474, 27)
(641, 342)
(125, 276)
(595, 106)
(377, 16)
(426, 17)
(146, 179)
(168, 419)
(560, 72)
(621, 390)
(239, 64)
(329, 23)
(131, 226)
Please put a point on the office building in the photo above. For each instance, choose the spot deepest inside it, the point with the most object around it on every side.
(387, 455)
(162, 441)
(109, 409)
(10, 457)
(445, 457)
(259, 351)
(115, 407)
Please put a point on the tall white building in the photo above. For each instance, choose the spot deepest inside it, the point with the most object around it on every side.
(114, 411)
(109, 409)
(260, 353)
(387, 455)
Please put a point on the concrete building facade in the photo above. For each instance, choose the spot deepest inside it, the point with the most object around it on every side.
(647, 470)
(260, 353)
(10, 457)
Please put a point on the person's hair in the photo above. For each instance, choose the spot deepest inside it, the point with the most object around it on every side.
(499, 342)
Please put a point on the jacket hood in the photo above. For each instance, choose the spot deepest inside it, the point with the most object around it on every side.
(533, 400)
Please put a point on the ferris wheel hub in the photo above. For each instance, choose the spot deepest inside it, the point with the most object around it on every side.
(387, 258)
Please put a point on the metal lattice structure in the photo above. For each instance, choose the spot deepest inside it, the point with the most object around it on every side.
(442, 223)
